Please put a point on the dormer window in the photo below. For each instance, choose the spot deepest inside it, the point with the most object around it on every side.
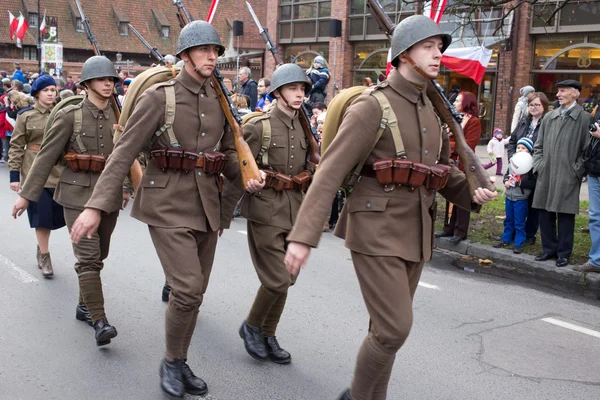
(123, 29)
(33, 20)
(79, 25)
(164, 31)
(162, 23)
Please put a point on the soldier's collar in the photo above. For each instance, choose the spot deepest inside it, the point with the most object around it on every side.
(403, 87)
(190, 83)
(41, 109)
(285, 118)
(95, 110)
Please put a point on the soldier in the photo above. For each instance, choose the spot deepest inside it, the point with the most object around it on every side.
(179, 193)
(46, 214)
(271, 213)
(388, 228)
(84, 132)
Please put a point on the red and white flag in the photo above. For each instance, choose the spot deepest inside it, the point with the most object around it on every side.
(468, 61)
(13, 22)
(21, 29)
(212, 10)
(434, 9)
(43, 25)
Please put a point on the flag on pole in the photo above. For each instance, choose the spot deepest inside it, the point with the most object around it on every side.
(212, 10)
(43, 25)
(21, 29)
(13, 22)
(469, 61)
(434, 9)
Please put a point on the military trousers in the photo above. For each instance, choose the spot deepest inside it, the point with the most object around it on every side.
(388, 285)
(90, 255)
(268, 245)
(187, 258)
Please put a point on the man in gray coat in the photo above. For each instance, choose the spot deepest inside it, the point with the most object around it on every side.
(558, 163)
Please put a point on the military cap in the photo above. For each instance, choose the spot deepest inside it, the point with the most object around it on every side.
(572, 83)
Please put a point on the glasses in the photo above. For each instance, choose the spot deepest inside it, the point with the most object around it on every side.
(260, 86)
(535, 105)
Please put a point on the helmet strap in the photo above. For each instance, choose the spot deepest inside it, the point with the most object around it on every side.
(194, 67)
(286, 102)
(415, 66)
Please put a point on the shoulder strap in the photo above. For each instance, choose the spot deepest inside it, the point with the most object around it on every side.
(265, 139)
(77, 124)
(169, 115)
(388, 119)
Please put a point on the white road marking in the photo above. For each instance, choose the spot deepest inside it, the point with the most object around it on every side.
(572, 327)
(17, 272)
(243, 232)
(429, 286)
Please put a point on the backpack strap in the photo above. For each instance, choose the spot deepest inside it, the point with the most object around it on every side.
(170, 104)
(77, 124)
(388, 119)
(265, 139)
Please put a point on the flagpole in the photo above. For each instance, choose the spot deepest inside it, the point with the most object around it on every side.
(39, 42)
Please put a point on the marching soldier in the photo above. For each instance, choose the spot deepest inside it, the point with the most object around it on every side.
(387, 222)
(179, 193)
(280, 148)
(46, 214)
(82, 134)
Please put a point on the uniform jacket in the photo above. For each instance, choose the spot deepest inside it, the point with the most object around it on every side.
(171, 199)
(373, 222)
(558, 160)
(73, 188)
(287, 154)
(29, 130)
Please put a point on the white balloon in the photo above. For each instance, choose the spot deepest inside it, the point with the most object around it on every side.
(521, 163)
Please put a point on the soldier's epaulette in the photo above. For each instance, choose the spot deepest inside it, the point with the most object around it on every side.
(71, 107)
(170, 82)
(381, 85)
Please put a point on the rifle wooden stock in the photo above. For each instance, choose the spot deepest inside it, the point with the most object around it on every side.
(314, 157)
(248, 167)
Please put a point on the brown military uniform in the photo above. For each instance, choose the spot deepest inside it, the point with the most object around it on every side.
(270, 214)
(75, 188)
(182, 210)
(389, 233)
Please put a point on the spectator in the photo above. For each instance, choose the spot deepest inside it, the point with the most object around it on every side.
(319, 76)
(264, 87)
(69, 85)
(26, 88)
(126, 83)
(453, 93)
(317, 109)
(521, 106)
(367, 82)
(240, 103)
(249, 86)
(592, 166)
(80, 90)
(320, 124)
(18, 74)
(495, 149)
(18, 86)
(558, 162)
(518, 189)
(33, 77)
(456, 220)
(65, 94)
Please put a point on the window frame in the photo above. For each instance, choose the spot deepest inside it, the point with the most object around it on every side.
(121, 26)
(317, 20)
(32, 19)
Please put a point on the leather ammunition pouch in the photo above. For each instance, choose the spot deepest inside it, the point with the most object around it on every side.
(391, 172)
(181, 160)
(85, 162)
(279, 181)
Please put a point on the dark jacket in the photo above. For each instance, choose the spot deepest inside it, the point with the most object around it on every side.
(592, 158)
(523, 189)
(250, 89)
(521, 131)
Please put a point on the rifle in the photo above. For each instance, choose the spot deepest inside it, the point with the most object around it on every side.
(248, 167)
(136, 169)
(476, 175)
(313, 156)
(153, 49)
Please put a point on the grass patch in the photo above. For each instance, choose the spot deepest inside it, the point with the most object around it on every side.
(487, 227)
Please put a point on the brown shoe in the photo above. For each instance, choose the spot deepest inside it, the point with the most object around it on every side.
(587, 267)
(46, 265)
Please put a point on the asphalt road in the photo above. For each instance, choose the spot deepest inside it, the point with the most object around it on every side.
(474, 337)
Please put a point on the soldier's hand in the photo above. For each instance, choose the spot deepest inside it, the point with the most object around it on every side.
(482, 196)
(126, 198)
(296, 257)
(86, 224)
(20, 206)
(221, 230)
(254, 186)
(15, 186)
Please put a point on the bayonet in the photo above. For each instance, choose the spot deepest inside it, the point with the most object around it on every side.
(153, 49)
(88, 29)
(264, 32)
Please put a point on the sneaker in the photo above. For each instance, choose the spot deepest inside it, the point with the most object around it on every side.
(500, 244)
(517, 250)
(587, 267)
(2, 161)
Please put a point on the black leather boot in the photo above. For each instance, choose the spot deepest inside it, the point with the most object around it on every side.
(275, 352)
(82, 313)
(345, 395)
(193, 384)
(104, 332)
(171, 378)
(253, 342)
(165, 293)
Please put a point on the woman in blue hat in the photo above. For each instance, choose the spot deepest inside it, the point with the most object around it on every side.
(44, 215)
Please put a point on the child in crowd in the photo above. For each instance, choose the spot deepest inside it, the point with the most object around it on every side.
(518, 189)
(495, 149)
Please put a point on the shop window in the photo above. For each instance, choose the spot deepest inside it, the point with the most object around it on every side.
(547, 46)
(304, 20)
(303, 54)
(370, 59)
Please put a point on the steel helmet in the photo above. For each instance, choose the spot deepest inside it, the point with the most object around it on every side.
(198, 33)
(288, 73)
(411, 31)
(98, 67)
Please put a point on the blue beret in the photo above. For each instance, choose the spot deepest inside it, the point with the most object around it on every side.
(42, 82)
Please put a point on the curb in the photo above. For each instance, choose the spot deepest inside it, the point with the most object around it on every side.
(519, 267)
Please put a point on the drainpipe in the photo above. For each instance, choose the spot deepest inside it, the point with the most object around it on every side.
(513, 68)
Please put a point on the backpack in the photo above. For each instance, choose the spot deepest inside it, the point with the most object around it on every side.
(265, 141)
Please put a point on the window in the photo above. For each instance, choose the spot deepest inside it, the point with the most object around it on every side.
(30, 53)
(574, 16)
(362, 26)
(304, 54)
(123, 29)
(164, 31)
(304, 21)
(33, 20)
(79, 25)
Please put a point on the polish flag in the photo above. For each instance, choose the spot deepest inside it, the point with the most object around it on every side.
(22, 27)
(469, 61)
(13, 23)
(212, 10)
(434, 9)
(43, 25)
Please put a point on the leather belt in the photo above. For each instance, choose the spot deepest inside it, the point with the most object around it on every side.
(34, 147)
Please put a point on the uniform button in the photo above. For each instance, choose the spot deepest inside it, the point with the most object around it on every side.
(83, 134)
(100, 126)
(292, 146)
(424, 130)
(152, 182)
(420, 108)
(101, 136)
(101, 144)
(426, 152)
(74, 181)
(292, 156)
(203, 134)
(202, 115)
(100, 117)
(291, 167)
(201, 95)
(292, 137)
(199, 173)
(274, 144)
(101, 154)
(368, 204)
